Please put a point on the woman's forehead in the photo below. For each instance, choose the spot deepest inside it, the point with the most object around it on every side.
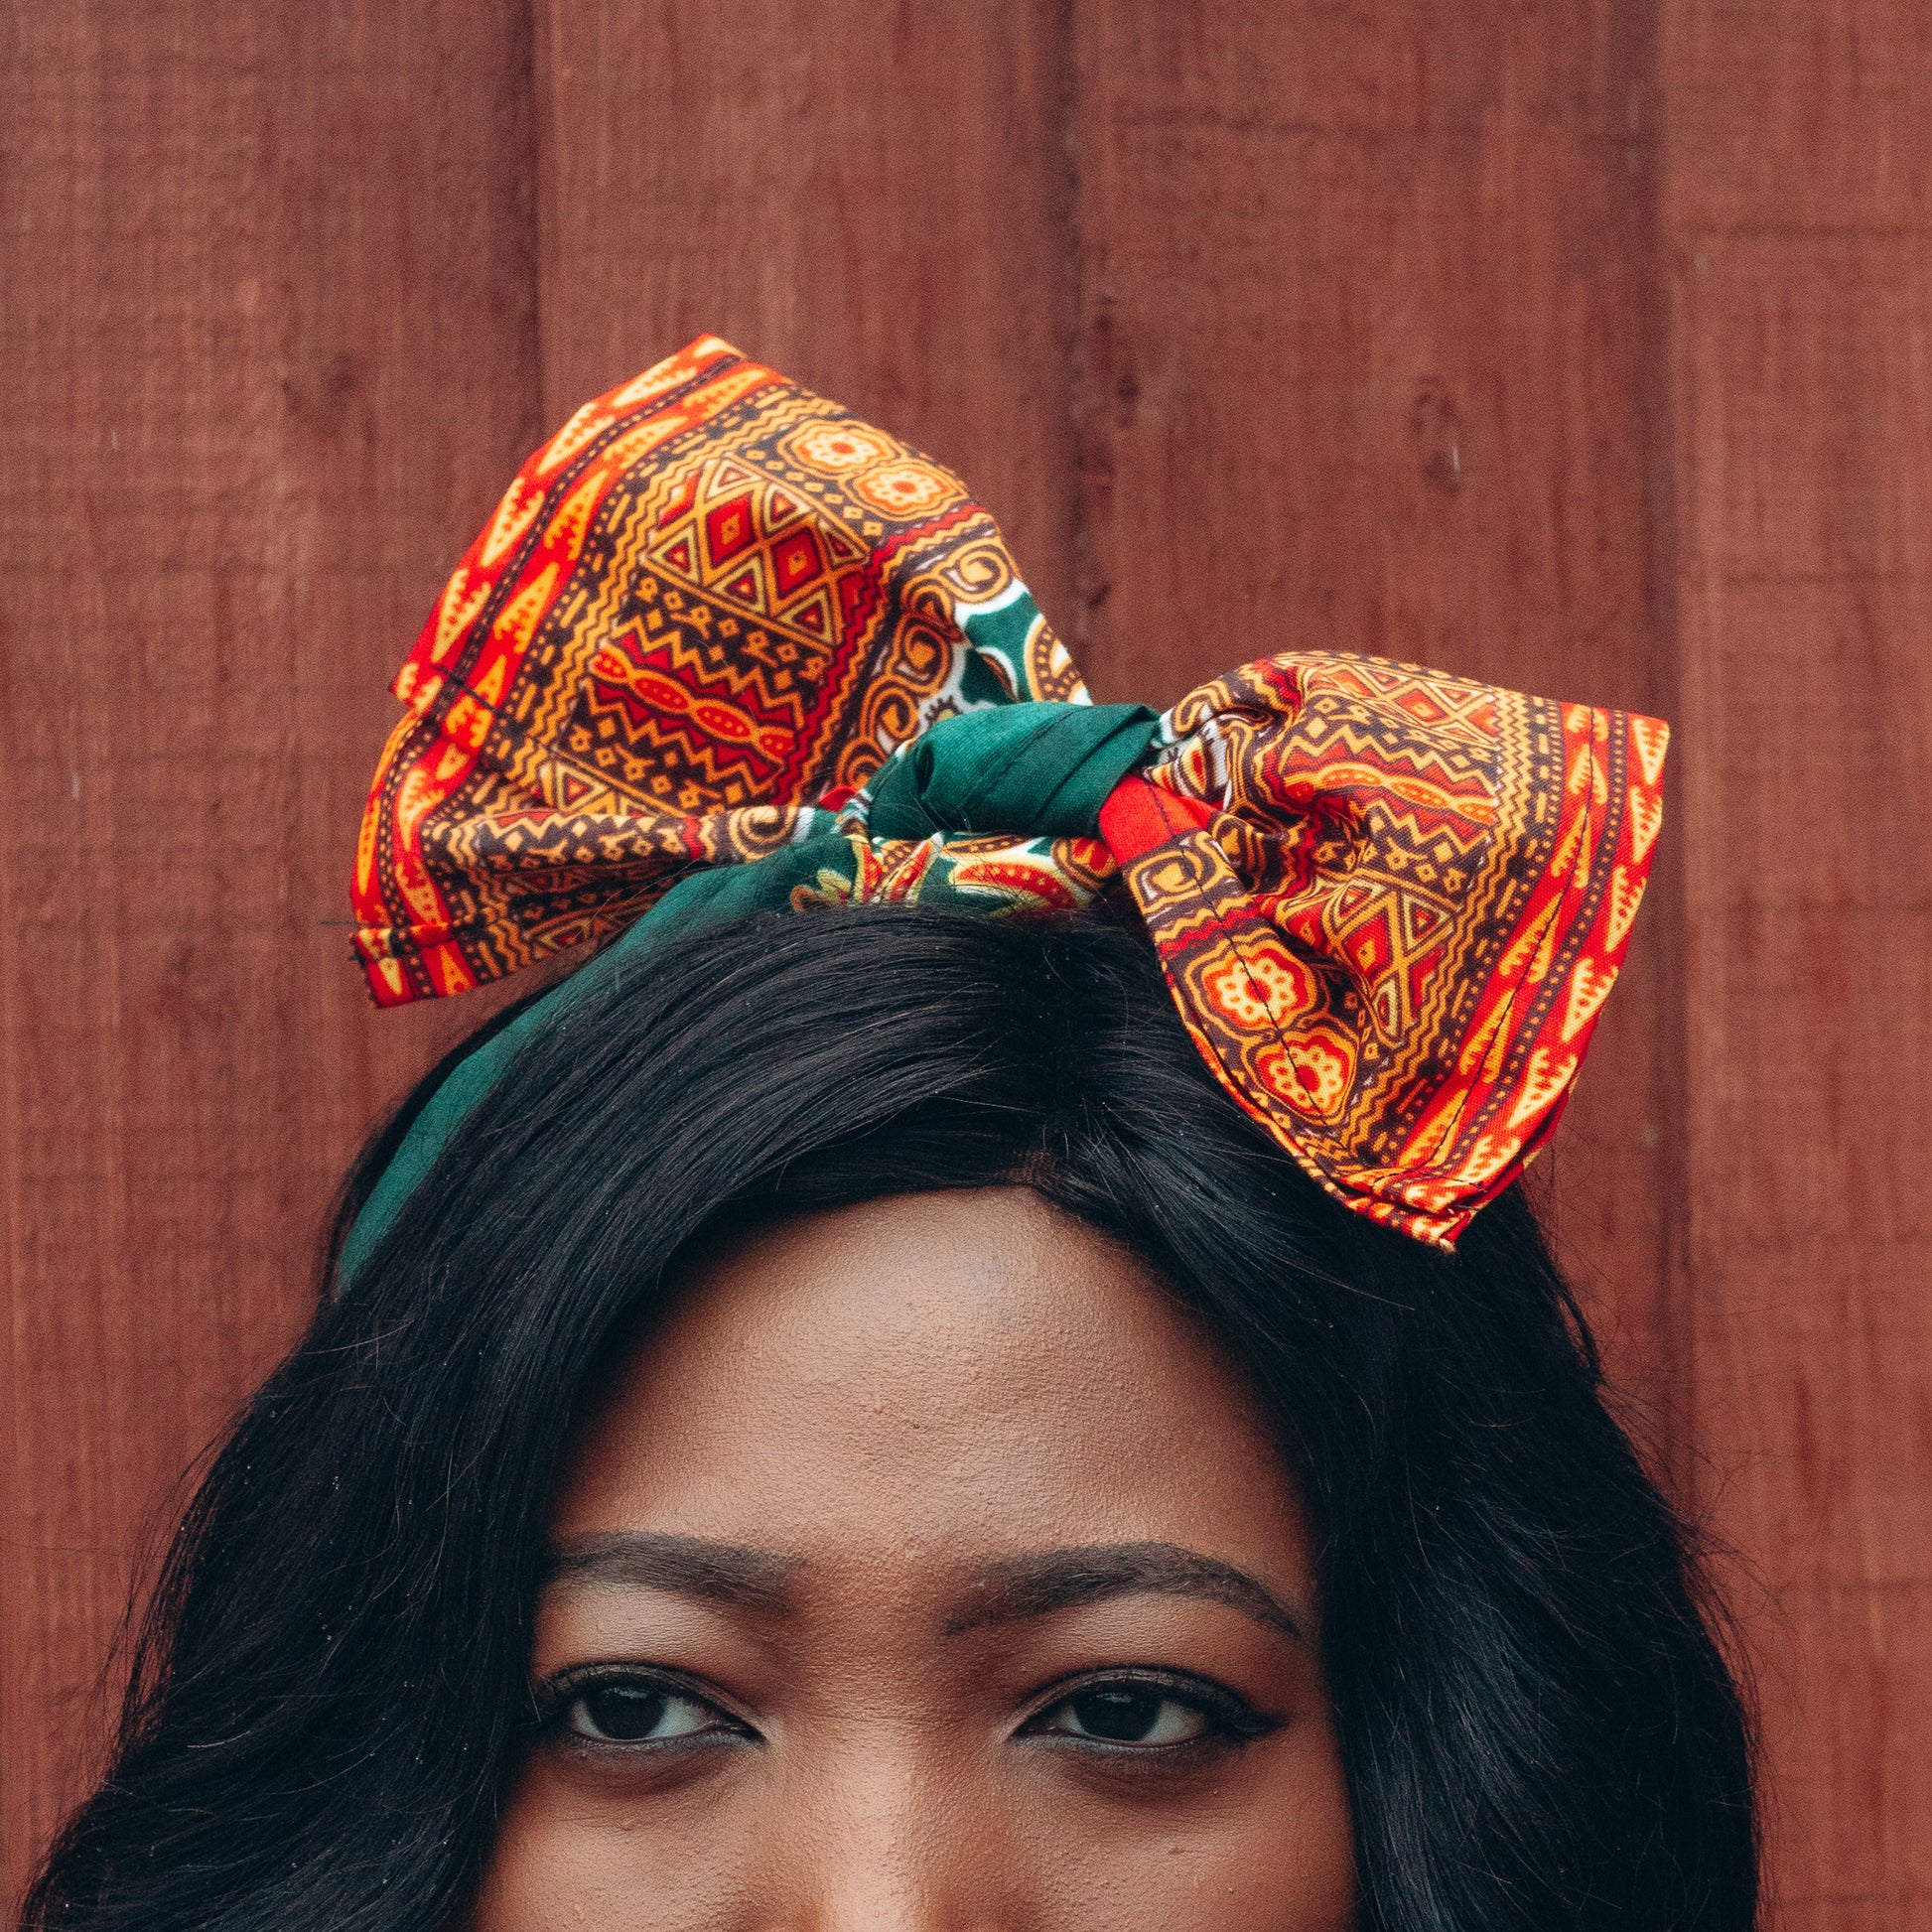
(956, 1374)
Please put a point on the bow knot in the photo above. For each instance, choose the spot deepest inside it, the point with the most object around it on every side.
(1039, 770)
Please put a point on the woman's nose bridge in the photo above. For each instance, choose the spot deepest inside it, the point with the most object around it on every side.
(898, 1846)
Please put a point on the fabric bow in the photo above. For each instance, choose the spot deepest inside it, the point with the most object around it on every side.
(722, 646)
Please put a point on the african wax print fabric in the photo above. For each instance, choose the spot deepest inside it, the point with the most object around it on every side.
(724, 646)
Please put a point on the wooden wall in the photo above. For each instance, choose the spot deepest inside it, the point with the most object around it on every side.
(1581, 343)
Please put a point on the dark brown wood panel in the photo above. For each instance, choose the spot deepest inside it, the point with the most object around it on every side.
(1799, 115)
(268, 333)
(867, 196)
(1367, 341)
(1587, 347)
(1805, 390)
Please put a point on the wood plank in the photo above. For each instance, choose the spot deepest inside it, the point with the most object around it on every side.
(1791, 114)
(1367, 321)
(1358, 347)
(269, 334)
(867, 199)
(1804, 387)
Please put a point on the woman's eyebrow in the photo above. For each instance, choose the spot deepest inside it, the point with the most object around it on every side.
(1045, 1580)
(689, 1566)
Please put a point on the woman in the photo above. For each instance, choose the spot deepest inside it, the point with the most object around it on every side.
(846, 1411)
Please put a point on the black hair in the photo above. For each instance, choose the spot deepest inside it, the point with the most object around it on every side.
(1538, 1729)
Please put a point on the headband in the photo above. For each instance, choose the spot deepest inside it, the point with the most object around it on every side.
(725, 647)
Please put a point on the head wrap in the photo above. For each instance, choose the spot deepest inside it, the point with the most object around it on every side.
(722, 646)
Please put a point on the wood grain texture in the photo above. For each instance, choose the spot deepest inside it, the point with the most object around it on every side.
(1586, 348)
(867, 196)
(268, 335)
(1799, 220)
(1368, 336)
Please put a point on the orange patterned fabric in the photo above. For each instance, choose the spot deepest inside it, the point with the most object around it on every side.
(715, 612)
(710, 597)
(1390, 904)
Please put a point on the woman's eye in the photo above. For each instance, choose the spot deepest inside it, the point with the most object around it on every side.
(638, 1713)
(1127, 1713)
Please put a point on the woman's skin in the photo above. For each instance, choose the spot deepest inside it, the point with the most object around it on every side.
(939, 1577)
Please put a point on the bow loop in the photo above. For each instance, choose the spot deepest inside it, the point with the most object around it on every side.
(711, 602)
(1389, 904)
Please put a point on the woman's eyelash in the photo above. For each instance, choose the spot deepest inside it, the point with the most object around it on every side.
(1130, 1711)
(629, 1708)
(1147, 1711)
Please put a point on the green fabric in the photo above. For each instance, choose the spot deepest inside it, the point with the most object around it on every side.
(1042, 770)
(1035, 772)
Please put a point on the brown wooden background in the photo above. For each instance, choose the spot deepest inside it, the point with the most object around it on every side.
(1581, 343)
